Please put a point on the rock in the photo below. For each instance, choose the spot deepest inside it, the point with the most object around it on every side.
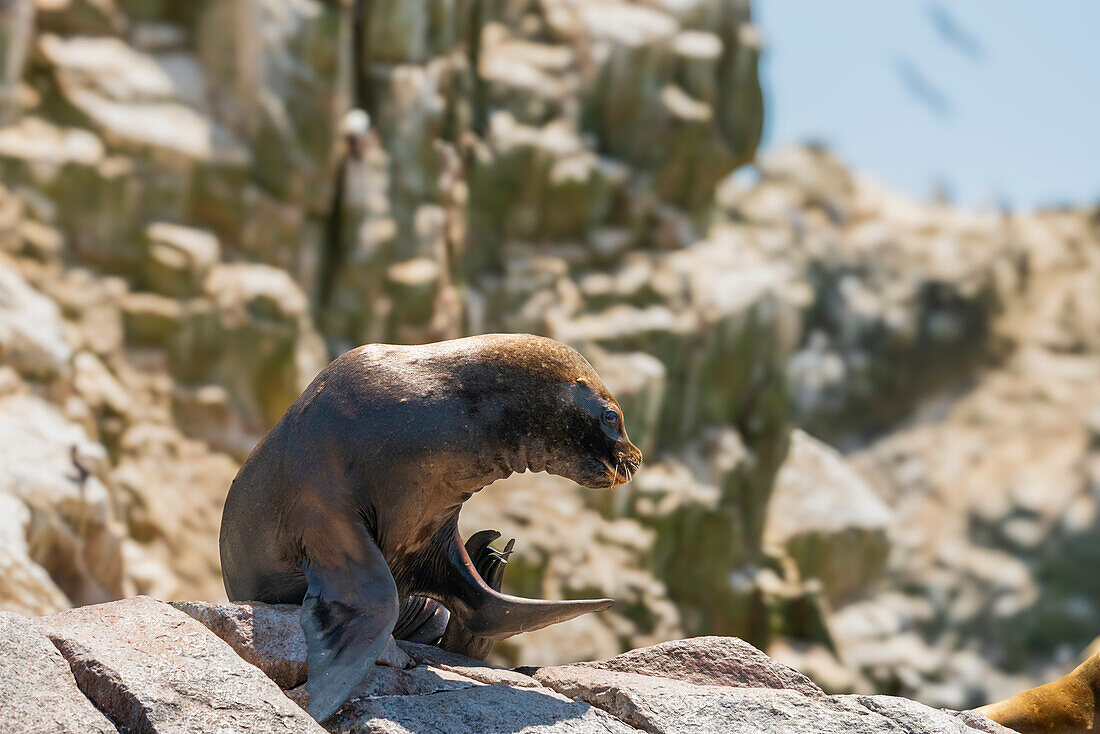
(271, 71)
(134, 100)
(268, 636)
(25, 587)
(709, 661)
(385, 681)
(31, 338)
(531, 80)
(150, 319)
(413, 286)
(152, 668)
(999, 480)
(51, 465)
(476, 670)
(173, 490)
(267, 350)
(37, 688)
(666, 705)
(98, 387)
(977, 721)
(911, 715)
(71, 165)
(46, 148)
(474, 710)
(76, 17)
(393, 656)
(828, 519)
(400, 32)
(16, 31)
(179, 258)
(536, 182)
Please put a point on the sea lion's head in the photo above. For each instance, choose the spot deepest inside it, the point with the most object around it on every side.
(592, 447)
(557, 413)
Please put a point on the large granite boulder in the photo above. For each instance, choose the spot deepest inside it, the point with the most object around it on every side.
(826, 517)
(267, 635)
(711, 683)
(708, 661)
(31, 337)
(37, 688)
(152, 668)
(661, 705)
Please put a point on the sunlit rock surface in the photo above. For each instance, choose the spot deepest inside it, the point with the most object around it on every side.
(140, 665)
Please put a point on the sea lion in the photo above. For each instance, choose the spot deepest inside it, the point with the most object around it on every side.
(1065, 706)
(350, 503)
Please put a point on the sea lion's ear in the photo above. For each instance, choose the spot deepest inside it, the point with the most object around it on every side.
(582, 380)
(348, 614)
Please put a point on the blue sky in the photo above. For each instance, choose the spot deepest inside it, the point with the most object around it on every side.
(999, 100)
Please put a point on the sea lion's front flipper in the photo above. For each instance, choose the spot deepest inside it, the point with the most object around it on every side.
(347, 615)
(487, 613)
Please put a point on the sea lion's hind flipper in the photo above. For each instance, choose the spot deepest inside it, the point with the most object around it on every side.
(504, 615)
(485, 612)
(489, 563)
(495, 561)
(421, 620)
(348, 614)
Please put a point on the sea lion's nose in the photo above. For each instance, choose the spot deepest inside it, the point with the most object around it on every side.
(631, 457)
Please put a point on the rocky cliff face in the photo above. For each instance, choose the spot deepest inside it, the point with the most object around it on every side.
(191, 225)
(994, 490)
(191, 230)
(140, 665)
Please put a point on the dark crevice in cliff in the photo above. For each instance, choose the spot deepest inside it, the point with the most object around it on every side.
(332, 251)
(360, 30)
(478, 112)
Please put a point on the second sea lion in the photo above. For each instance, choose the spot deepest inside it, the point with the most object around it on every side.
(1065, 706)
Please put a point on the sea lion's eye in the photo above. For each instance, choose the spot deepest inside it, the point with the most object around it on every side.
(610, 417)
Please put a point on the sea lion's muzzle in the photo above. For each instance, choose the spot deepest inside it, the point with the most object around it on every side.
(626, 465)
(612, 471)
